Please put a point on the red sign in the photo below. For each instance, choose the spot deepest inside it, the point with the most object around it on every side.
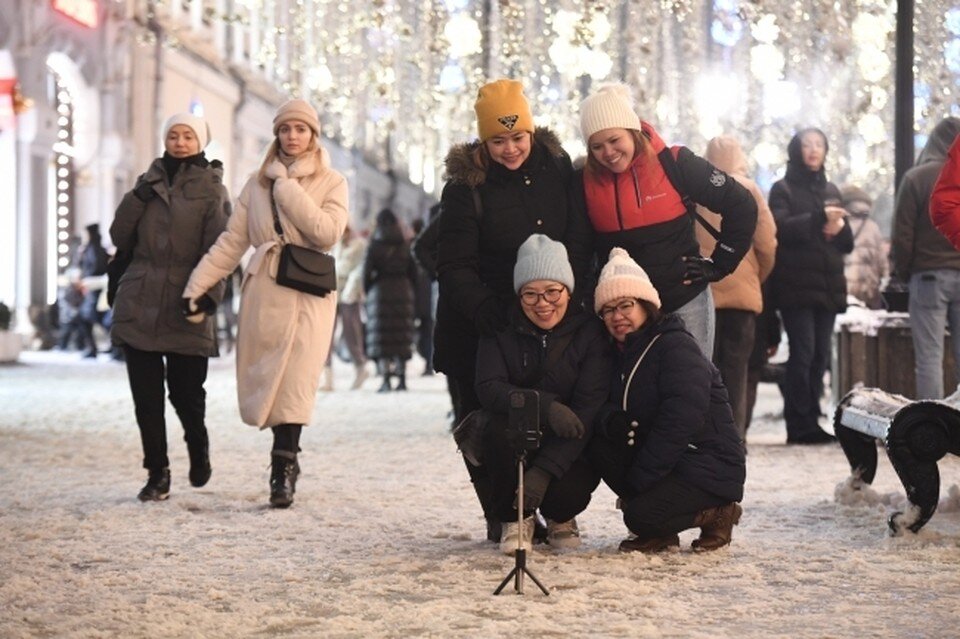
(83, 11)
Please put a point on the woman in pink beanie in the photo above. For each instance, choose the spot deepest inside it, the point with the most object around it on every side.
(670, 451)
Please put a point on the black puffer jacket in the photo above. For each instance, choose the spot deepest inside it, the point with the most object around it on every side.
(809, 268)
(389, 273)
(579, 377)
(683, 411)
(477, 252)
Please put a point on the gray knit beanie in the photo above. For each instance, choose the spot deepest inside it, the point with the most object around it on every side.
(540, 258)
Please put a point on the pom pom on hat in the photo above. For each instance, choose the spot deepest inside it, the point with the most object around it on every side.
(501, 107)
(297, 110)
(609, 107)
(197, 124)
(622, 277)
(540, 258)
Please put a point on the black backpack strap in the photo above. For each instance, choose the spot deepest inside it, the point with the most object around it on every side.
(672, 171)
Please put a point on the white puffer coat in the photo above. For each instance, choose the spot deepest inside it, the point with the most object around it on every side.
(283, 335)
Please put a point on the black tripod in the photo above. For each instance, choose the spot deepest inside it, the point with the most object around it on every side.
(520, 558)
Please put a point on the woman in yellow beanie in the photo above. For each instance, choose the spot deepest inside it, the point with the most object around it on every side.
(635, 203)
(672, 452)
(501, 188)
(295, 197)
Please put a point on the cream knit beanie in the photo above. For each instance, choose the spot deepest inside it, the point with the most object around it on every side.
(622, 277)
(297, 110)
(609, 107)
(198, 125)
(540, 258)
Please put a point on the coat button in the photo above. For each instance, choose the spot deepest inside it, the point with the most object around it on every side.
(526, 181)
(539, 222)
(634, 423)
(629, 442)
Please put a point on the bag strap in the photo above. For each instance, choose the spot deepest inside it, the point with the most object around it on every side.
(626, 387)
(477, 204)
(276, 216)
(672, 171)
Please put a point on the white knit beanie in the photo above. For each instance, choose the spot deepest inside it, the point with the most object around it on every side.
(609, 107)
(540, 258)
(197, 124)
(622, 277)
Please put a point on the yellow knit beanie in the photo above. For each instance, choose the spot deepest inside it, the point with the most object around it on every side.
(501, 108)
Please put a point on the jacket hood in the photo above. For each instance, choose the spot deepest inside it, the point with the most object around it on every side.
(725, 153)
(938, 144)
(460, 168)
(797, 171)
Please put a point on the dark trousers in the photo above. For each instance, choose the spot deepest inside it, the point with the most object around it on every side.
(286, 437)
(809, 332)
(185, 375)
(665, 509)
(465, 400)
(425, 340)
(732, 346)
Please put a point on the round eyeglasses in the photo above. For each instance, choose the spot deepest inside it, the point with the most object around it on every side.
(623, 308)
(551, 296)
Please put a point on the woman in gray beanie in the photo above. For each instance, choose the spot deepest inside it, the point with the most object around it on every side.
(557, 349)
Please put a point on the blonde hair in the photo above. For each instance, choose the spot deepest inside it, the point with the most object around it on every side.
(273, 152)
(640, 142)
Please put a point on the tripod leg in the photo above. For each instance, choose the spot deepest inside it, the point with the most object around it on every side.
(536, 581)
(505, 580)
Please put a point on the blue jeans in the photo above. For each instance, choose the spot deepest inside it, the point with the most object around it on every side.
(699, 318)
(809, 332)
(934, 303)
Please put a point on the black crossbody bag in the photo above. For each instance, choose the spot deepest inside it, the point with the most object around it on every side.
(301, 268)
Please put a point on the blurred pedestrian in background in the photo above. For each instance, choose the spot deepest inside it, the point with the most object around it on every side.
(349, 254)
(867, 266)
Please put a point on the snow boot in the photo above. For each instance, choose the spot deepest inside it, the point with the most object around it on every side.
(401, 374)
(512, 535)
(716, 526)
(157, 487)
(200, 469)
(283, 478)
(651, 544)
(563, 534)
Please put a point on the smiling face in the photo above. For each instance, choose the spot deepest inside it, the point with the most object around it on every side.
(294, 137)
(623, 316)
(181, 141)
(614, 149)
(509, 149)
(544, 302)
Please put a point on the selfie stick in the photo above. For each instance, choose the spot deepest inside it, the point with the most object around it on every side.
(520, 558)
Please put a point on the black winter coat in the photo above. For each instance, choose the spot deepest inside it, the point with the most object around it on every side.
(809, 268)
(578, 376)
(477, 252)
(389, 274)
(683, 411)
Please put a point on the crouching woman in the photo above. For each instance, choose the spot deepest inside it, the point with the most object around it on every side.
(671, 453)
(560, 351)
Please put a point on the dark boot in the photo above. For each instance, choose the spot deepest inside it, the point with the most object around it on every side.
(157, 487)
(283, 478)
(716, 526)
(385, 386)
(200, 469)
(401, 374)
(653, 544)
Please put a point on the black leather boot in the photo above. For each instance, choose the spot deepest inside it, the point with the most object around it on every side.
(157, 487)
(200, 469)
(283, 478)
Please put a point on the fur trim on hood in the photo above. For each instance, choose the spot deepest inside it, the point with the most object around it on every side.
(460, 168)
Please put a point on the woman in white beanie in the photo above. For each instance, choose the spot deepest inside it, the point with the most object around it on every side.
(556, 348)
(640, 195)
(671, 452)
(162, 228)
(284, 334)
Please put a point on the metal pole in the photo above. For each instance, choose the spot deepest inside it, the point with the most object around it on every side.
(903, 100)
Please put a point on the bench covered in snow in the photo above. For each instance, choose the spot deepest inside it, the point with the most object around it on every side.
(916, 435)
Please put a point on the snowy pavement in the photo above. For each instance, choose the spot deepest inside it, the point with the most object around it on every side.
(385, 537)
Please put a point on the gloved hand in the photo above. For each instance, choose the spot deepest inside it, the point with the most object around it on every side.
(620, 428)
(564, 421)
(535, 482)
(701, 269)
(144, 191)
(490, 318)
(197, 310)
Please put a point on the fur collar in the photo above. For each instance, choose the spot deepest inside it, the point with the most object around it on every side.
(460, 168)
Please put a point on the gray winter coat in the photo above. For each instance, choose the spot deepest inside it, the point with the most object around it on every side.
(168, 234)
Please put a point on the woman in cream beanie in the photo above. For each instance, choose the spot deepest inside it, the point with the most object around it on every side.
(511, 182)
(638, 191)
(672, 452)
(284, 333)
(556, 348)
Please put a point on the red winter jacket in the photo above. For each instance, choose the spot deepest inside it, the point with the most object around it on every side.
(945, 198)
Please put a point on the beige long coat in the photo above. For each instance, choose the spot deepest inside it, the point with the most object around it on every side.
(741, 289)
(283, 334)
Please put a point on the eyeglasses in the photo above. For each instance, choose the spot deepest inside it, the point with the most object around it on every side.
(623, 308)
(551, 296)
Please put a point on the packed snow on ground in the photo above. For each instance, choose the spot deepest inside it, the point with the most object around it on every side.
(385, 537)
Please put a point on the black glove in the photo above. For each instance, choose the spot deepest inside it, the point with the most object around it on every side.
(701, 269)
(564, 421)
(205, 305)
(144, 191)
(490, 318)
(619, 427)
(535, 482)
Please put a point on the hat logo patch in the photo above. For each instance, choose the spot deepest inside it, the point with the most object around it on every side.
(508, 121)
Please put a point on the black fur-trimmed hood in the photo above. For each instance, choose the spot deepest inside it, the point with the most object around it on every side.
(460, 168)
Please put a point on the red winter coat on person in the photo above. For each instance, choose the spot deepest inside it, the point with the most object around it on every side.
(945, 199)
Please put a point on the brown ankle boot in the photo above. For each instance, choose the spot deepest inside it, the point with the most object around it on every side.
(716, 526)
(653, 544)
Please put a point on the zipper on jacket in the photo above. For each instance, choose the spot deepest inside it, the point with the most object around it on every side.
(616, 200)
(636, 185)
